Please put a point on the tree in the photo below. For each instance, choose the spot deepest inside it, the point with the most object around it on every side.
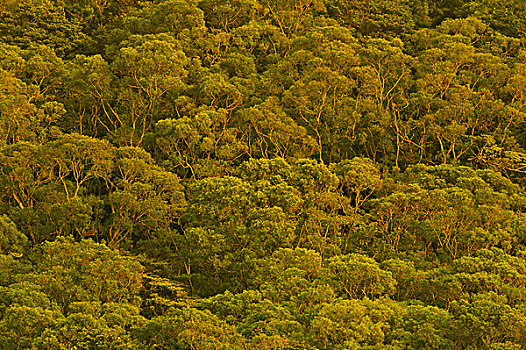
(379, 18)
(227, 227)
(189, 329)
(347, 324)
(146, 201)
(71, 295)
(43, 22)
(274, 134)
(152, 70)
(358, 276)
(12, 241)
(23, 119)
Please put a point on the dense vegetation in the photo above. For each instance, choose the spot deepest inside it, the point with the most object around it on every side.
(262, 174)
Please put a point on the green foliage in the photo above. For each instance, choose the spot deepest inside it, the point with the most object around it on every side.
(72, 272)
(359, 276)
(272, 174)
(12, 241)
(190, 329)
(72, 294)
(349, 324)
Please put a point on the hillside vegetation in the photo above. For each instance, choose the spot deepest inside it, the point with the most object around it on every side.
(262, 174)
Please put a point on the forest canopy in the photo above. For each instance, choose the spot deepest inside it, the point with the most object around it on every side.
(262, 174)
